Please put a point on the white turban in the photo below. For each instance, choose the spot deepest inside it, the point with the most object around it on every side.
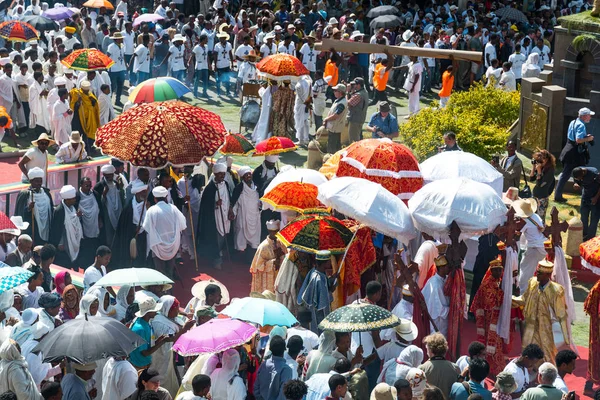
(137, 187)
(272, 159)
(60, 81)
(35, 172)
(160, 192)
(225, 160)
(273, 224)
(219, 167)
(244, 170)
(107, 169)
(68, 192)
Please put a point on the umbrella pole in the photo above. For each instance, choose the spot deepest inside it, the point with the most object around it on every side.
(223, 222)
(192, 225)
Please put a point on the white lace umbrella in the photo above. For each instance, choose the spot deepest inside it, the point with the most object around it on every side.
(476, 207)
(369, 203)
(460, 164)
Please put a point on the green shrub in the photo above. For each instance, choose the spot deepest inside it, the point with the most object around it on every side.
(480, 118)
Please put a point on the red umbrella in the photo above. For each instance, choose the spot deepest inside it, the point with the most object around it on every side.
(295, 196)
(281, 67)
(236, 144)
(7, 226)
(274, 145)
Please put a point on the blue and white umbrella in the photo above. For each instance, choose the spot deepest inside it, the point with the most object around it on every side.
(11, 277)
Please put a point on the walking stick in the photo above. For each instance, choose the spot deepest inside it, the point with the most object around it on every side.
(223, 222)
(192, 224)
(32, 221)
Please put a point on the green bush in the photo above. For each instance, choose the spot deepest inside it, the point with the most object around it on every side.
(480, 118)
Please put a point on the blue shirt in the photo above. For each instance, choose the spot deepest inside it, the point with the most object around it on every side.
(576, 130)
(458, 391)
(142, 328)
(387, 125)
(271, 376)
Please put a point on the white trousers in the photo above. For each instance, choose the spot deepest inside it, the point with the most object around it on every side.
(413, 102)
(531, 258)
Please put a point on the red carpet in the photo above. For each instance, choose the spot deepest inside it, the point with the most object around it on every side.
(10, 171)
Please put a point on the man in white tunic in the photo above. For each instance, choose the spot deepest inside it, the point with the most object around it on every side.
(302, 107)
(245, 204)
(438, 304)
(38, 104)
(62, 116)
(73, 151)
(66, 232)
(34, 206)
(190, 186)
(90, 221)
(163, 224)
(59, 83)
(119, 379)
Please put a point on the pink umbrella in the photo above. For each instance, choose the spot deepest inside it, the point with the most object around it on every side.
(147, 18)
(214, 336)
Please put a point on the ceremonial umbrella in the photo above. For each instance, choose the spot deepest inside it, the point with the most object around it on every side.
(294, 196)
(18, 31)
(147, 18)
(58, 13)
(88, 339)
(385, 162)
(590, 254)
(11, 277)
(460, 164)
(236, 144)
(382, 10)
(7, 225)
(371, 204)
(330, 166)
(274, 145)
(214, 336)
(157, 134)
(158, 89)
(511, 14)
(297, 175)
(476, 207)
(312, 233)
(359, 317)
(281, 67)
(99, 4)
(386, 22)
(134, 277)
(87, 60)
(260, 311)
(40, 23)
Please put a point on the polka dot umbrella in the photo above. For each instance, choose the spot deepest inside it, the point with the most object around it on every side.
(158, 134)
(359, 317)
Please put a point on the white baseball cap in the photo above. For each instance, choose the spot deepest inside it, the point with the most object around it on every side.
(586, 111)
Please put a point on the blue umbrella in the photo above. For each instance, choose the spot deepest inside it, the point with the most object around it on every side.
(260, 311)
(11, 277)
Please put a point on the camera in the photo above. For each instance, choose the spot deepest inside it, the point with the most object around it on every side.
(496, 159)
(534, 161)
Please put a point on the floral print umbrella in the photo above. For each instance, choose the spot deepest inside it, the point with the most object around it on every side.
(382, 161)
(359, 317)
(87, 60)
(18, 31)
(313, 233)
(236, 144)
(281, 67)
(274, 145)
(158, 134)
(295, 196)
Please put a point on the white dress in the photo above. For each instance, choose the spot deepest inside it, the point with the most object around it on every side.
(261, 130)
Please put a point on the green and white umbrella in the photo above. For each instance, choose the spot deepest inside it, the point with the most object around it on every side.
(359, 317)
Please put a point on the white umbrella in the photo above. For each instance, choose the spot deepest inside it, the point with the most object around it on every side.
(369, 203)
(297, 175)
(476, 207)
(460, 164)
(134, 277)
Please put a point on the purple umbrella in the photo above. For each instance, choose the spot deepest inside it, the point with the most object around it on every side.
(58, 13)
(147, 18)
(214, 336)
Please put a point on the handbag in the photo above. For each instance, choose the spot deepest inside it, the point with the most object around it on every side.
(525, 193)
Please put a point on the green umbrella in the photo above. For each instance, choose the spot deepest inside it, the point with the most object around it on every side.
(359, 317)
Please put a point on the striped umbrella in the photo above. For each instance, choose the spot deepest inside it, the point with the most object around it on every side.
(87, 60)
(18, 31)
(158, 89)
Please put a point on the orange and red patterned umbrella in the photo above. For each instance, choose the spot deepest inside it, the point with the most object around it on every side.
(87, 60)
(281, 67)
(274, 145)
(313, 233)
(18, 31)
(236, 144)
(157, 134)
(295, 196)
(382, 161)
(590, 254)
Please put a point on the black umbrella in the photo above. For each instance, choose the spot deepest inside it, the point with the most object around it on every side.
(86, 340)
(41, 23)
(511, 14)
(386, 22)
(382, 10)
(359, 317)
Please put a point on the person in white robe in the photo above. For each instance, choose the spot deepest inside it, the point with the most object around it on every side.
(425, 259)
(22, 81)
(62, 116)
(9, 97)
(67, 235)
(261, 130)
(22, 330)
(410, 357)
(187, 185)
(119, 379)
(245, 204)
(231, 177)
(107, 111)
(163, 224)
(90, 222)
(302, 108)
(39, 370)
(226, 383)
(125, 296)
(38, 103)
(110, 191)
(59, 83)
(438, 304)
(14, 373)
(403, 310)
(286, 290)
(162, 359)
(73, 151)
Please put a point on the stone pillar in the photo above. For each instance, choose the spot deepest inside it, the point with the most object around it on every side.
(574, 237)
(554, 97)
(570, 79)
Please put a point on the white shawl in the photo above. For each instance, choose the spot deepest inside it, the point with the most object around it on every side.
(221, 213)
(73, 231)
(119, 379)
(42, 212)
(511, 264)
(164, 224)
(90, 211)
(113, 203)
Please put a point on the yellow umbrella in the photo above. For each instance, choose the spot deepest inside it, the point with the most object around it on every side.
(99, 4)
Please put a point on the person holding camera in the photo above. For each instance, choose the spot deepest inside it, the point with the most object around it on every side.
(575, 153)
(510, 166)
(383, 124)
(542, 173)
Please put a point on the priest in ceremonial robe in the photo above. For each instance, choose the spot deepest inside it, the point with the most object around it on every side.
(545, 312)
(267, 260)
(86, 112)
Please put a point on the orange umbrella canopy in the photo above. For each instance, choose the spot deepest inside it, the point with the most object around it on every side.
(282, 67)
(99, 4)
(295, 196)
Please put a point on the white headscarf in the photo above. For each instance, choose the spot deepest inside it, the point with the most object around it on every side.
(531, 65)
(320, 360)
(410, 357)
(121, 306)
(14, 374)
(101, 294)
(84, 305)
(22, 330)
(161, 324)
(223, 377)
